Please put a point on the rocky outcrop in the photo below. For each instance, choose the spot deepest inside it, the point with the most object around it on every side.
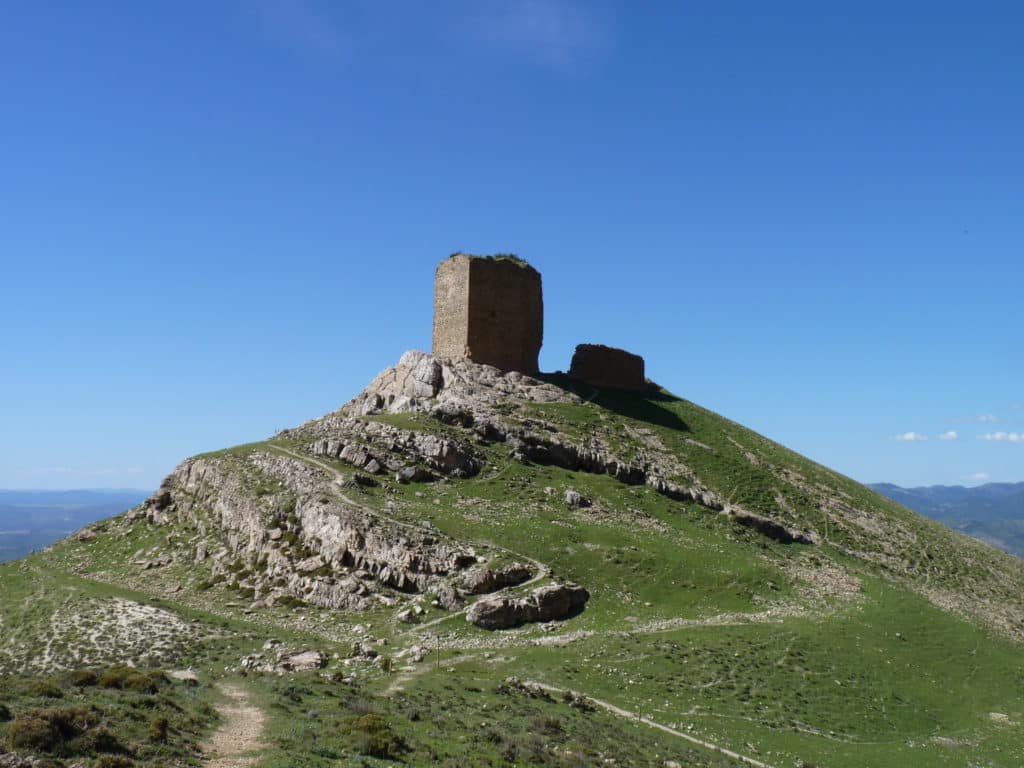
(575, 499)
(472, 397)
(277, 660)
(423, 383)
(375, 447)
(482, 579)
(772, 528)
(13, 760)
(285, 533)
(549, 603)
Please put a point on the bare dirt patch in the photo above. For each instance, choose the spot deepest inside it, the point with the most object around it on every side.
(236, 743)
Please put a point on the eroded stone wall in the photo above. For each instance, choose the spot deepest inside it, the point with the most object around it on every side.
(489, 310)
(608, 367)
(451, 308)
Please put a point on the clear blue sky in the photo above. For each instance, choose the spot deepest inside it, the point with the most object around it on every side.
(221, 218)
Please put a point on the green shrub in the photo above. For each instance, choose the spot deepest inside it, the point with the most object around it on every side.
(140, 683)
(33, 734)
(45, 689)
(5, 713)
(372, 736)
(82, 678)
(158, 730)
(115, 677)
(68, 723)
(129, 679)
(98, 740)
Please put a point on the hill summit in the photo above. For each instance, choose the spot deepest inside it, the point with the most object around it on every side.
(555, 560)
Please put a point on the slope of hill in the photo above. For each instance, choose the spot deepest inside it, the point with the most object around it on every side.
(31, 520)
(993, 512)
(485, 568)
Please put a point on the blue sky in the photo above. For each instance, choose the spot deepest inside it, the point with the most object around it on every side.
(222, 218)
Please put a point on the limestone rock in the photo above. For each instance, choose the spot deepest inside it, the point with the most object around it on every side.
(575, 499)
(548, 603)
(481, 579)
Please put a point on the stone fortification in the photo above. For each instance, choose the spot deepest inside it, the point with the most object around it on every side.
(608, 367)
(489, 309)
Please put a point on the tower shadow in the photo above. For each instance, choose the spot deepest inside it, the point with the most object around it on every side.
(639, 405)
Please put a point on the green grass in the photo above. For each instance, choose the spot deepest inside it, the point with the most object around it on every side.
(693, 620)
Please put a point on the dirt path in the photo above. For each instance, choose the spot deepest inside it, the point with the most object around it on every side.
(609, 707)
(542, 570)
(241, 733)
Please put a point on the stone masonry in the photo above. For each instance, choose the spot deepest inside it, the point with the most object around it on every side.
(608, 367)
(490, 310)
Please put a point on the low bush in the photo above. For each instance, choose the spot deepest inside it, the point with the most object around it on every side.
(33, 734)
(373, 736)
(158, 730)
(98, 740)
(82, 678)
(129, 679)
(46, 689)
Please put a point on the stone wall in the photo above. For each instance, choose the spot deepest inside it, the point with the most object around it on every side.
(608, 367)
(489, 310)
(451, 308)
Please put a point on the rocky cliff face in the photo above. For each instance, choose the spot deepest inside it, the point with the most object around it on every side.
(283, 530)
(286, 523)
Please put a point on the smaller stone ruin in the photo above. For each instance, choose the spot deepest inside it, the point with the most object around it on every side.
(608, 367)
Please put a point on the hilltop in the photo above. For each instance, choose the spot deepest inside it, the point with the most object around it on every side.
(494, 568)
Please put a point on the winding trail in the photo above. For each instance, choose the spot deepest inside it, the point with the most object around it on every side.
(240, 735)
(609, 707)
(542, 571)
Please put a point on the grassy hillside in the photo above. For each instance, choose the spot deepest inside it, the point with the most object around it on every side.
(892, 641)
(993, 512)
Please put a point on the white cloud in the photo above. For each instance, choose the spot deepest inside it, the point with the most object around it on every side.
(950, 435)
(911, 437)
(987, 418)
(1016, 407)
(1003, 437)
(979, 476)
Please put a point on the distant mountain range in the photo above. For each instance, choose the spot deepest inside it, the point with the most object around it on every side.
(31, 520)
(993, 512)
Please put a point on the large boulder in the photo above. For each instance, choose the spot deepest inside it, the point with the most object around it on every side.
(549, 603)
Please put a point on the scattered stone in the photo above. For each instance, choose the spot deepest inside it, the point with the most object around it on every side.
(284, 661)
(575, 499)
(772, 528)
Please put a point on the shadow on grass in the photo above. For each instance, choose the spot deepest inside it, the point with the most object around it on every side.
(644, 405)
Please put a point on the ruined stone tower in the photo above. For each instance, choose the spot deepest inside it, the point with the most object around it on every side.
(489, 309)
